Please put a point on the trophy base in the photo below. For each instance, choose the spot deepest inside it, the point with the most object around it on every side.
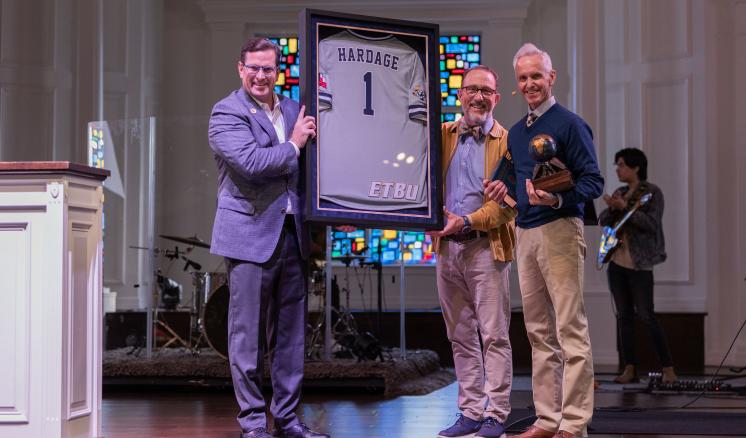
(552, 177)
(555, 183)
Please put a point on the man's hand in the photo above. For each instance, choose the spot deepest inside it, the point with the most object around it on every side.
(615, 202)
(540, 197)
(495, 190)
(305, 126)
(454, 224)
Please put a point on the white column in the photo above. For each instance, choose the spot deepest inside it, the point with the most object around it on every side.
(226, 40)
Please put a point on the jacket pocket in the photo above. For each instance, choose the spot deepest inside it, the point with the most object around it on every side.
(240, 205)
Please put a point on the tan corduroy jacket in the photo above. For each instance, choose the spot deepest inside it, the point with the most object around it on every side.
(497, 221)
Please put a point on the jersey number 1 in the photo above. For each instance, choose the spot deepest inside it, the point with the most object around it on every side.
(368, 79)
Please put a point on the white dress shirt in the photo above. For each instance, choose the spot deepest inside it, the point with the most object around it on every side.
(278, 122)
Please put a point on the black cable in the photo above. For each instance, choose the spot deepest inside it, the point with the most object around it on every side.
(688, 404)
(519, 421)
(719, 366)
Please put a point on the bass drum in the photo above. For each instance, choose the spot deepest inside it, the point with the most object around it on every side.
(215, 314)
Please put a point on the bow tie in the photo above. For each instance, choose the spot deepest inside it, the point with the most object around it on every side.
(474, 131)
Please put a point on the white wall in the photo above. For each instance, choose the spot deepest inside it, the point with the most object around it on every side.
(46, 70)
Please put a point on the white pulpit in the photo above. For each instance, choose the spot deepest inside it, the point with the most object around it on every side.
(50, 299)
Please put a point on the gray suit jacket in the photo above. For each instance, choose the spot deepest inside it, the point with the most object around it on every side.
(256, 176)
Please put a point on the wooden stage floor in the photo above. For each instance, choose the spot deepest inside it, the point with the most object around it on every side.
(160, 412)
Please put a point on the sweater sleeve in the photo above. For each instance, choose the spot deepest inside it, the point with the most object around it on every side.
(580, 158)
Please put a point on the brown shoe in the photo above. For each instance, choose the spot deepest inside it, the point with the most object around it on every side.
(629, 375)
(668, 375)
(564, 434)
(535, 432)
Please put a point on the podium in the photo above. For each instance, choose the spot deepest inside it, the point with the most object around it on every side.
(50, 299)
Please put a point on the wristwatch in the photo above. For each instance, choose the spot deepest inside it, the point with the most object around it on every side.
(467, 223)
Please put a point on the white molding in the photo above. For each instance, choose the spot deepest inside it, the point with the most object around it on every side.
(45, 78)
(283, 12)
(650, 20)
(78, 408)
(649, 107)
(18, 332)
(61, 343)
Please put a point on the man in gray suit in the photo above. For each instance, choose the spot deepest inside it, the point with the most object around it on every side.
(257, 138)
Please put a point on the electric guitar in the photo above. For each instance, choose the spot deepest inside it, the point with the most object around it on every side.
(609, 241)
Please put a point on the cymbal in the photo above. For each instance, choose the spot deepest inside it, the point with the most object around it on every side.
(193, 241)
(156, 251)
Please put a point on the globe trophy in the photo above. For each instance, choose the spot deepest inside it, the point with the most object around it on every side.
(551, 174)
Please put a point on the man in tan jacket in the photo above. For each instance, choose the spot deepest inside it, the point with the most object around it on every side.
(474, 250)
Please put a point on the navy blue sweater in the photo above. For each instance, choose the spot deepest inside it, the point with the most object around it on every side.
(575, 149)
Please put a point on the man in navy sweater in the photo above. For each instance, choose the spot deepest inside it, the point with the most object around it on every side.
(551, 252)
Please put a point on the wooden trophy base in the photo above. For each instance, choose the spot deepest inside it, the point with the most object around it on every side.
(552, 177)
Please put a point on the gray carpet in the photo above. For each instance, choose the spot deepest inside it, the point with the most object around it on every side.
(418, 374)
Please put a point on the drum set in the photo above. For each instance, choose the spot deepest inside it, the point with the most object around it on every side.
(210, 299)
(209, 305)
(348, 341)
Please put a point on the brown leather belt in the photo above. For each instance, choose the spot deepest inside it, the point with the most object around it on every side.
(462, 237)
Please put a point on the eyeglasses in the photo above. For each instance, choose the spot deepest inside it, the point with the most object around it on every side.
(254, 69)
(472, 90)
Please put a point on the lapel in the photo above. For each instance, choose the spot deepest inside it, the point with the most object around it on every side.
(258, 114)
(492, 151)
(450, 147)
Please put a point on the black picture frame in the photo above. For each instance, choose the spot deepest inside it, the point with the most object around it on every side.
(316, 25)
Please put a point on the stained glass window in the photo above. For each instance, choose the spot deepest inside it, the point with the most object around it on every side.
(288, 78)
(457, 53)
(348, 243)
(384, 244)
(418, 247)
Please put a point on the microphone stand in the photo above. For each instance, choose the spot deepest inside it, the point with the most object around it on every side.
(379, 267)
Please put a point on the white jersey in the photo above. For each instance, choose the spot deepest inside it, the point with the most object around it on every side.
(372, 124)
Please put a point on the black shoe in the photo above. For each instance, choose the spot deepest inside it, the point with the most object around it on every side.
(259, 432)
(300, 431)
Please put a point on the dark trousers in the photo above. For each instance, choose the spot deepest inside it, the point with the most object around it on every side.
(267, 312)
(633, 295)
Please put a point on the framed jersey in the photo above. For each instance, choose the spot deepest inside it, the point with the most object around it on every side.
(373, 86)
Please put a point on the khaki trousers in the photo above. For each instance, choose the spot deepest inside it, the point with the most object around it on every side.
(475, 298)
(550, 272)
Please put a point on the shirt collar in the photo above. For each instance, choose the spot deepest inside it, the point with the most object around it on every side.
(544, 107)
(265, 107)
(487, 125)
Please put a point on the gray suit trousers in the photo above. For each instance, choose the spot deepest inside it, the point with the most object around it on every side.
(267, 312)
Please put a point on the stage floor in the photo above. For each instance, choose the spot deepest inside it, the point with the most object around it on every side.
(161, 412)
